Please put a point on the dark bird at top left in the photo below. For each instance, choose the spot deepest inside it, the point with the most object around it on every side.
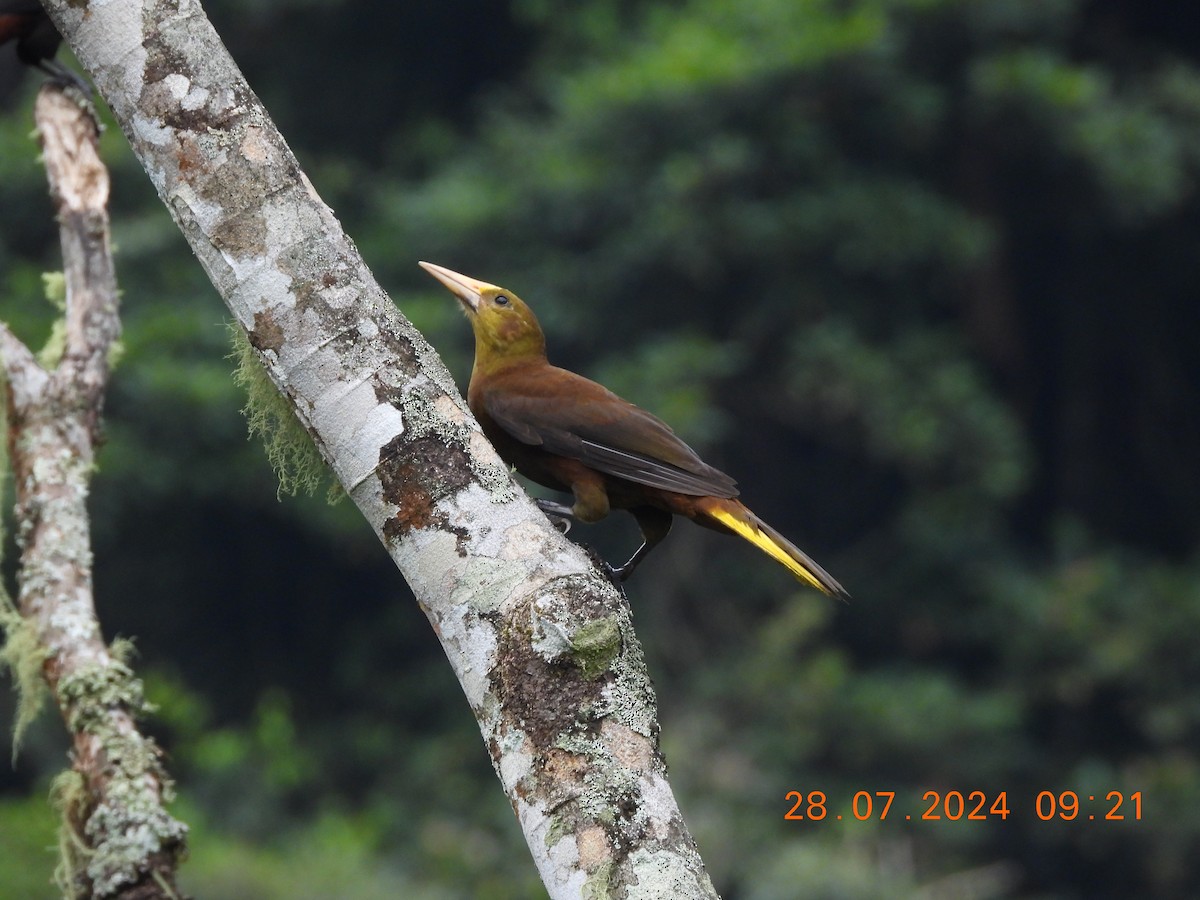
(37, 40)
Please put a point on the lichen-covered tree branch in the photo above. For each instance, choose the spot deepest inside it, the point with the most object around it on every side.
(540, 640)
(119, 840)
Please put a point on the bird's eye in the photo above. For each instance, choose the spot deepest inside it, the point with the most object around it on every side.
(501, 300)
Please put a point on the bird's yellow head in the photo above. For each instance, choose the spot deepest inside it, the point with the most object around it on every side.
(505, 328)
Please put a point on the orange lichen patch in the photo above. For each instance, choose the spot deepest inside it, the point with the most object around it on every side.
(632, 750)
(592, 842)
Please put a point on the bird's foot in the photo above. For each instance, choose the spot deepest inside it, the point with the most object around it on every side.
(619, 573)
(615, 577)
(558, 514)
(615, 574)
(623, 572)
(66, 77)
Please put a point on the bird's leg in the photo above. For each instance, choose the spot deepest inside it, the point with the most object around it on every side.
(591, 502)
(558, 513)
(64, 75)
(655, 524)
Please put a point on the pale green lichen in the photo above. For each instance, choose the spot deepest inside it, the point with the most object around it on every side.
(557, 831)
(21, 652)
(123, 650)
(126, 831)
(421, 417)
(595, 644)
(630, 699)
(290, 449)
(608, 785)
(24, 657)
(68, 797)
(598, 884)
(54, 287)
(90, 691)
(129, 825)
(661, 873)
(116, 352)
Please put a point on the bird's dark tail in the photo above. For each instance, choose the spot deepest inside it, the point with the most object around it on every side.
(735, 517)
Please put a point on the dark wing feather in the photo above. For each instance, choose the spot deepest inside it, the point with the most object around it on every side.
(571, 416)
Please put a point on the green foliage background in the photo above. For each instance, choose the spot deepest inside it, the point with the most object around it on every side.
(920, 273)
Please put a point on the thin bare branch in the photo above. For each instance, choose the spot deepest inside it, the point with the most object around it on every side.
(123, 842)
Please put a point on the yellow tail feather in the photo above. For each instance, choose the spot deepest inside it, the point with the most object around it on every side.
(744, 523)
